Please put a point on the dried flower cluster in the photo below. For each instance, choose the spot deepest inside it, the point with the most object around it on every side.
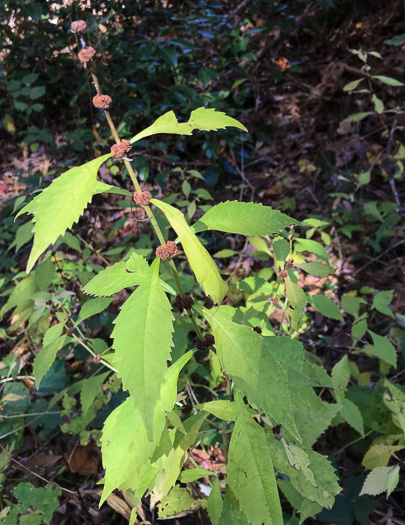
(86, 54)
(119, 150)
(169, 251)
(185, 302)
(143, 198)
(102, 101)
(78, 26)
(209, 340)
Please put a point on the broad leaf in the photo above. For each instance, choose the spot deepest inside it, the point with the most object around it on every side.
(201, 118)
(250, 470)
(394, 400)
(325, 306)
(142, 341)
(245, 218)
(381, 302)
(215, 503)
(222, 408)
(45, 358)
(382, 348)
(381, 479)
(101, 187)
(297, 298)
(317, 269)
(254, 370)
(91, 387)
(201, 262)
(60, 205)
(93, 307)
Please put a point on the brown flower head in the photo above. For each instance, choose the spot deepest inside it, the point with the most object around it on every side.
(119, 150)
(78, 26)
(184, 302)
(143, 198)
(209, 340)
(86, 54)
(169, 251)
(101, 101)
(257, 329)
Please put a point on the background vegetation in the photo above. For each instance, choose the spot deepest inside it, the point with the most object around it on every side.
(319, 86)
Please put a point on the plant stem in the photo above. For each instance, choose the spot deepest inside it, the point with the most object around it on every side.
(149, 211)
(225, 423)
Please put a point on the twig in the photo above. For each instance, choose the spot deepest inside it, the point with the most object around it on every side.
(379, 257)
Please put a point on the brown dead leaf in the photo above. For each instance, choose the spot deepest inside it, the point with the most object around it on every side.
(83, 460)
(282, 63)
(43, 461)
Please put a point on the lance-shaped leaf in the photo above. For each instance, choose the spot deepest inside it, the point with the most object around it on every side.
(201, 118)
(201, 262)
(251, 472)
(124, 443)
(60, 205)
(245, 218)
(142, 341)
(254, 370)
(101, 187)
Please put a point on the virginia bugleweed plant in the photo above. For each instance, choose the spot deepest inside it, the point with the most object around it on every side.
(278, 399)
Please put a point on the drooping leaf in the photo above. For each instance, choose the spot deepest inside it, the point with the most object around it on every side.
(178, 502)
(222, 408)
(305, 507)
(231, 513)
(202, 264)
(297, 298)
(90, 389)
(317, 269)
(125, 446)
(45, 358)
(381, 348)
(351, 413)
(389, 81)
(201, 118)
(394, 400)
(381, 479)
(101, 187)
(325, 306)
(93, 307)
(381, 302)
(215, 503)
(142, 341)
(60, 205)
(379, 454)
(325, 486)
(250, 470)
(245, 218)
(255, 371)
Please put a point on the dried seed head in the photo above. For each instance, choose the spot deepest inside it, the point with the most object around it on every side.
(86, 54)
(102, 101)
(201, 345)
(209, 340)
(143, 198)
(169, 251)
(119, 150)
(97, 358)
(289, 264)
(78, 26)
(70, 330)
(257, 329)
(188, 302)
(283, 274)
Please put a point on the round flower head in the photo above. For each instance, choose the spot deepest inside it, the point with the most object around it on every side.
(101, 101)
(119, 150)
(143, 198)
(86, 54)
(78, 26)
(169, 251)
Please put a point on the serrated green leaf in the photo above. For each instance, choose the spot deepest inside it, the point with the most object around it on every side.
(379, 454)
(60, 205)
(254, 370)
(114, 279)
(297, 298)
(325, 306)
(201, 262)
(381, 479)
(45, 358)
(340, 377)
(308, 245)
(245, 218)
(52, 334)
(382, 348)
(306, 508)
(326, 487)
(351, 305)
(317, 269)
(231, 513)
(215, 503)
(201, 118)
(90, 389)
(178, 502)
(351, 413)
(222, 408)
(250, 470)
(142, 341)
(125, 446)
(394, 400)
(281, 248)
(381, 302)
(313, 222)
(93, 307)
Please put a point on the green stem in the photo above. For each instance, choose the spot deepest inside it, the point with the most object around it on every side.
(225, 423)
